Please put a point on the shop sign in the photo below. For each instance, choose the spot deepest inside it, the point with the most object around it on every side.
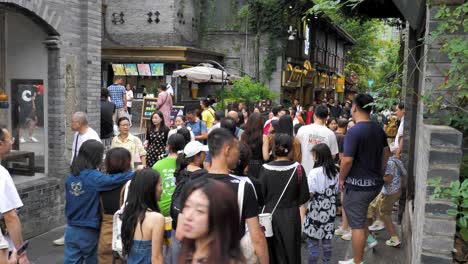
(144, 70)
(176, 111)
(157, 69)
(118, 69)
(131, 69)
(149, 106)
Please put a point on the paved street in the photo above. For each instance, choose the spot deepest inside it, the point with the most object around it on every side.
(41, 250)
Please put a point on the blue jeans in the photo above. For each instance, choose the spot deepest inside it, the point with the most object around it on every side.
(175, 248)
(80, 245)
(314, 250)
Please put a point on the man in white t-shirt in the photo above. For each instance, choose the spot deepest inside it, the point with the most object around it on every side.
(400, 113)
(314, 134)
(79, 124)
(10, 199)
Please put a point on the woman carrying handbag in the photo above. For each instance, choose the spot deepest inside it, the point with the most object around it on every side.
(285, 189)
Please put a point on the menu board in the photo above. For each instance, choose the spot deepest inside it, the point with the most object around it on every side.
(131, 69)
(118, 69)
(144, 69)
(149, 106)
(157, 69)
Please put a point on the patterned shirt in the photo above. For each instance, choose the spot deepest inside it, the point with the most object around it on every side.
(396, 169)
(116, 93)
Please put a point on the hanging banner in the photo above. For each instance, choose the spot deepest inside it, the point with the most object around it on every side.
(144, 69)
(131, 69)
(118, 69)
(157, 69)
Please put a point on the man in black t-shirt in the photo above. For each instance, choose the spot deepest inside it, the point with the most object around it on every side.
(224, 149)
(107, 123)
(362, 167)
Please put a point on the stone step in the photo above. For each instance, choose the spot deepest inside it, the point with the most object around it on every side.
(445, 155)
(444, 136)
(447, 172)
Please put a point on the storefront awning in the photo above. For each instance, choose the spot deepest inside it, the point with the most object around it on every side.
(160, 54)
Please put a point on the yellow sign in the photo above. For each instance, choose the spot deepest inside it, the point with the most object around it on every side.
(340, 84)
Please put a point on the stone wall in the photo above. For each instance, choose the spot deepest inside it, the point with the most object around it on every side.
(178, 25)
(433, 151)
(44, 206)
(439, 155)
(74, 64)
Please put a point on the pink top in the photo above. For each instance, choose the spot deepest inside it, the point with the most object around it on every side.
(165, 106)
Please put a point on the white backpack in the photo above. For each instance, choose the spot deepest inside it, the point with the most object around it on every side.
(117, 226)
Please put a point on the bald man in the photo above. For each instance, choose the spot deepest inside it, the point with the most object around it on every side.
(234, 115)
(79, 124)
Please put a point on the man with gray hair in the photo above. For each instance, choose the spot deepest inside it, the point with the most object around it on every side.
(234, 115)
(79, 124)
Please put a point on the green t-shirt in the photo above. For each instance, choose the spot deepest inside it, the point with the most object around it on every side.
(166, 168)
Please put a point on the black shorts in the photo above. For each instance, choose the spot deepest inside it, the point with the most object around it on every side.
(356, 204)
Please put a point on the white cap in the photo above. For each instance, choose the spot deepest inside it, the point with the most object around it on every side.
(193, 148)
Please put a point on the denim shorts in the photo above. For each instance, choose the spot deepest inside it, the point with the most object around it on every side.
(356, 204)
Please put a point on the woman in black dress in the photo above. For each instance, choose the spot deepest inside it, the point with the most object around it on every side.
(156, 138)
(280, 175)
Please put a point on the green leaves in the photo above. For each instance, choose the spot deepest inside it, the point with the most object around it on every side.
(458, 192)
(244, 90)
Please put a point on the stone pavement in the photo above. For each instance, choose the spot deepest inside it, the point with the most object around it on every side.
(42, 251)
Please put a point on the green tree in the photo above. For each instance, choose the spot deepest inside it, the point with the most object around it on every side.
(245, 90)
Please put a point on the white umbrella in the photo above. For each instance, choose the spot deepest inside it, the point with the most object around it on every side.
(204, 73)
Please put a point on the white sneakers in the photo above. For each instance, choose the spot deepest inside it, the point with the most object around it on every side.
(60, 241)
(32, 139)
(377, 226)
(344, 234)
(349, 261)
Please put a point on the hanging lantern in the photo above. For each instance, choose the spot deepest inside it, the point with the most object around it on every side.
(3, 100)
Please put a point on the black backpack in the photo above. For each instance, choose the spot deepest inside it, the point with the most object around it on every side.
(183, 179)
(177, 196)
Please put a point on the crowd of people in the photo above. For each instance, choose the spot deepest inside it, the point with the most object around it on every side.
(234, 188)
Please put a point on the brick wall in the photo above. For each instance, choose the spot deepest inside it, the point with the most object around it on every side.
(74, 66)
(43, 206)
(439, 155)
(434, 151)
(172, 30)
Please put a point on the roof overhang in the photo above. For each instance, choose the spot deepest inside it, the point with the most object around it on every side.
(160, 54)
(411, 10)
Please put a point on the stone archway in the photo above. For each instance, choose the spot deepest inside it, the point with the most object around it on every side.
(38, 13)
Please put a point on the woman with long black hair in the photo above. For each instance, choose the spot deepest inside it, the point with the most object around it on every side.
(82, 209)
(253, 137)
(321, 211)
(142, 223)
(284, 188)
(118, 160)
(156, 138)
(209, 224)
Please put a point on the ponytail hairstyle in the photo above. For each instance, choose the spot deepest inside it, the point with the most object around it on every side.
(283, 145)
(323, 158)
